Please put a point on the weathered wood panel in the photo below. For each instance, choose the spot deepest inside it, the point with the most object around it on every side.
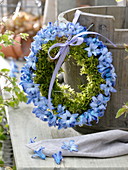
(119, 14)
(103, 2)
(126, 16)
(120, 36)
(106, 26)
(97, 10)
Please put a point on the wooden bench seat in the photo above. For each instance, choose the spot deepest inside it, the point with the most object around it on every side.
(24, 125)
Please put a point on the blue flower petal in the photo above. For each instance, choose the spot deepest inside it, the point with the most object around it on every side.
(39, 153)
(57, 157)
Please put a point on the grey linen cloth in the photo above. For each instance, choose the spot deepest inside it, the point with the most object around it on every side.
(101, 145)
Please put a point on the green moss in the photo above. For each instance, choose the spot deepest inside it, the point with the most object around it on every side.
(63, 94)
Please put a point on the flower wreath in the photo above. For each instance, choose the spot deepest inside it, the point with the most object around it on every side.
(59, 104)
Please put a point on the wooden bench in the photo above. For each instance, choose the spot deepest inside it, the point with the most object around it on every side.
(24, 125)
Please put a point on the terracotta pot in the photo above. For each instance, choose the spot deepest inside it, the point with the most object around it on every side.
(8, 51)
(20, 48)
(25, 46)
(17, 47)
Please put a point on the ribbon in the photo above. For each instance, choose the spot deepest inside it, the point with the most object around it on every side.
(64, 50)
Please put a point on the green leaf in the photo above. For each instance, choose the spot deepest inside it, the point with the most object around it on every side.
(1, 163)
(0, 146)
(121, 112)
(8, 89)
(6, 126)
(1, 118)
(126, 103)
(14, 168)
(11, 103)
(1, 99)
(22, 97)
(2, 136)
(16, 89)
(24, 36)
(1, 54)
(4, 70)
(5, 37)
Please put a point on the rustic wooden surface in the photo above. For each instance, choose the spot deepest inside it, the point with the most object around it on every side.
(24, 125)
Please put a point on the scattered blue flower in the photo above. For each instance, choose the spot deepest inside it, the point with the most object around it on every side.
(57, 157)
(39, 153)
(32, 140)
(70, 146)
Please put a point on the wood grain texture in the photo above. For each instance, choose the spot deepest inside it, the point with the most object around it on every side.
(24, 125)
(126, 16)
(103, 2)
(119, 15)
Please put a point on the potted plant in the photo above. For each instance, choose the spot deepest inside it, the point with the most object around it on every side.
(17, 23)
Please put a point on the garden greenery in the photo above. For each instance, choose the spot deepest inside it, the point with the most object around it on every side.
(15, 94)
(69, 108)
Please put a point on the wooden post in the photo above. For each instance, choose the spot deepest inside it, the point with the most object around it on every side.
(10, 9)
(50, 11)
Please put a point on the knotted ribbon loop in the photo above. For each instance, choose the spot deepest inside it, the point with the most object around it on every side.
(73, 42)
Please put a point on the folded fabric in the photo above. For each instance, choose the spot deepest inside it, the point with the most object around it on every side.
(102, 144)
